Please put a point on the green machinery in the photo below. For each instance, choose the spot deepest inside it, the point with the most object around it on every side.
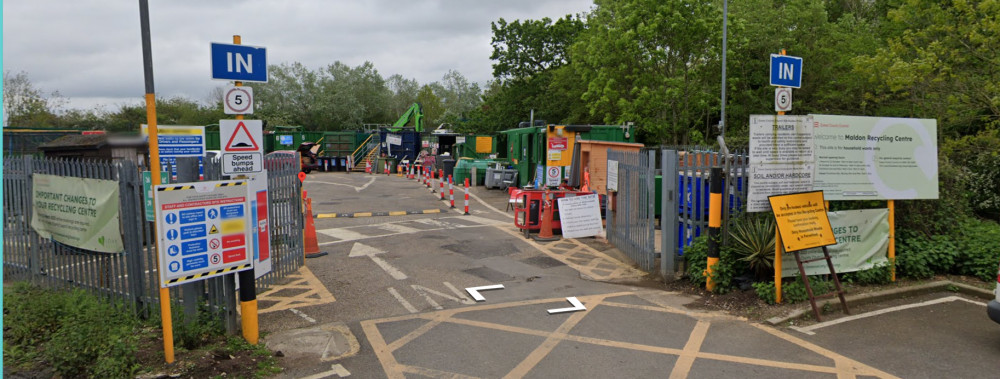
(416, 113)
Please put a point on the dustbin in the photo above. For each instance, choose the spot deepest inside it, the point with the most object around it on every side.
(448, 165)
(342, 165)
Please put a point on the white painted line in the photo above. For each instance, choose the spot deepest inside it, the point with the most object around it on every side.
(347, 235)
(809, 329)
(356, 189)
(303, 315)
(362, 250)
(483, 203)
(406, 304)
(474, 291)
(336, 369)
(577, 306)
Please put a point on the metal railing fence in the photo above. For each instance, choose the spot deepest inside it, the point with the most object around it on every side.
(130, 277)
(631, 219)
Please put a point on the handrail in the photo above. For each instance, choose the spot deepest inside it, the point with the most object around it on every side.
(354, 155)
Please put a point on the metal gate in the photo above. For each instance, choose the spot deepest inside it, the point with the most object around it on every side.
(631, 217)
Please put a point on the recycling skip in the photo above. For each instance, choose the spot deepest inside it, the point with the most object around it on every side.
(203, 229)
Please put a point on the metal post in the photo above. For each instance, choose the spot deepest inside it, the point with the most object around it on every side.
(248, 287)
(191, 293)
(668, 216)
(714, 223)
(154, 158)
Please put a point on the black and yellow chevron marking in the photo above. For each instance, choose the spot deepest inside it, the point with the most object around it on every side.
(175, 188)
(209, 273)
(375, 214)
(230, 184)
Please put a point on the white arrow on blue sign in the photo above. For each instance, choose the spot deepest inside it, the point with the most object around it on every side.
(786, 71)
(239, 62)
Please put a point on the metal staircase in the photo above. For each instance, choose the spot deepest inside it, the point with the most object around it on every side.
(367, 151)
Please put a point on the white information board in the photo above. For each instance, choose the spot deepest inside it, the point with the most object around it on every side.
(781, 158)
(612, 175)
(580, 216)
(202, 230)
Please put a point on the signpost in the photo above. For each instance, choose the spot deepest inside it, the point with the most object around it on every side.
(239, 100)
(239, 62)
(553, 174)
(242, 152)
(203, 230)
(786, 71)
(179, 141)
(147, 190)
(782, 99)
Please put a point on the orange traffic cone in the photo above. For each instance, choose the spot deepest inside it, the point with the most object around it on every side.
(311, 245)
(545, 233)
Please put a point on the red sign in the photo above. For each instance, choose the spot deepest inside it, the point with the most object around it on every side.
(233, 240)
(263, 240)
(241, 140)
(558, 143)
(234, 255)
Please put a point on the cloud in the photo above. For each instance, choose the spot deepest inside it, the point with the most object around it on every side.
(90, 50)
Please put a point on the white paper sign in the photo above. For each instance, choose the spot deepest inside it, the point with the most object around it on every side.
(580, 216)
(612, 175)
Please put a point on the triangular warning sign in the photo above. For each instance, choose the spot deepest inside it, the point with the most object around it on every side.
(241, 140)
(214, 230)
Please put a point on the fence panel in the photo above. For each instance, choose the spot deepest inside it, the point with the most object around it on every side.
(131, 276)
(631, 225)
(693, 191)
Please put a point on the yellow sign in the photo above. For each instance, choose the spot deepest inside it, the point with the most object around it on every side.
(558, 139)
(235, 225)
(214, 230)
(484, 145)
(802, 220)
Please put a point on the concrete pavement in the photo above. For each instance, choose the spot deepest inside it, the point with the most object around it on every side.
(390, 301)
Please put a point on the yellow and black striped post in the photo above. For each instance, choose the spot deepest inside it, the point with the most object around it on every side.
(714, 223)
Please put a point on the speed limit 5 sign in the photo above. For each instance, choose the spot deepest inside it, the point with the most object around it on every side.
(782, 99)
(238, 100)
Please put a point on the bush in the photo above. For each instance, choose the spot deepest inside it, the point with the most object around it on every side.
(921, 257)
(729, 266)
(752, 237)
(794, 291)
(76, 333)
(978, 245)
(879, 274)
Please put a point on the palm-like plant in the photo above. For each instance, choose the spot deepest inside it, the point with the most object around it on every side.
(753, 241)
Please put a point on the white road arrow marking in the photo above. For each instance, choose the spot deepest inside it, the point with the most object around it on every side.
(474, 291)
(362, 250)
(577, 306)
(337, 370)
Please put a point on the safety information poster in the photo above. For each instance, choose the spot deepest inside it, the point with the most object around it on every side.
(203, 230)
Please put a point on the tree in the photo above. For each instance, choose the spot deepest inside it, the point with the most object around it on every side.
(24, 105)
(940, 61)
(432, 105)
(647, 61)
(404, 93)
(458, 96)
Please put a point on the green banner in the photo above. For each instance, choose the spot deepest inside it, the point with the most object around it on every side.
(862, 242)
(78, 212)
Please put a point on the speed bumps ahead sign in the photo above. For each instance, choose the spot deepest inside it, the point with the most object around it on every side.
(203, 230)
(802, 220)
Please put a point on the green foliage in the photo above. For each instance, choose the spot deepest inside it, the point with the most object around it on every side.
(197, 332)
(267, 365)
(752, 239)
(879, 274)
(920, 257)
(74, 332)
(978, 244)
(979, 156)
(794, 291)
(723, 273)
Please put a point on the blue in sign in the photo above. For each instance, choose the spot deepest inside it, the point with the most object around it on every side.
(193, 231)
(173, 250)
(194, 215)
(195, 263)
(194, 247)
(786, 71)
(239, 62)
(171, 218)
(172, 234)
(174, 266)
(232, 211)
(213, 213)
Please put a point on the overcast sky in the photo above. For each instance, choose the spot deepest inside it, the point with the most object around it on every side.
(91, 50)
